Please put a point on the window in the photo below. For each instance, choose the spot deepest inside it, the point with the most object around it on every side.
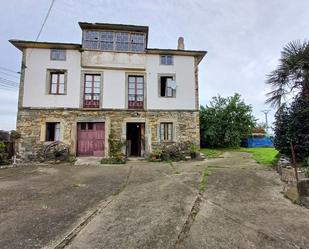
(166, 60)
(107, 40)
(136, 92)
(58, 54)
(167, 86)
(92, 90)
(166, 132)
(137, 42)
(122, 41)
(114, 41)
(86, 126)
(91, 39)
(57, 82)
(53, 131)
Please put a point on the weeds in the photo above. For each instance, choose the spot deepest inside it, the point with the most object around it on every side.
(203, 183)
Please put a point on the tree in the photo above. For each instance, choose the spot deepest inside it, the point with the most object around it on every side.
(282, 137)
(291, 75)
(225, 122)
(292, 121)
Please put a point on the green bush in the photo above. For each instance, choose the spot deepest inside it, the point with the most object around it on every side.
(156, 155)
(225, 122)
(292, 126)
(307, 172)
(120, 159)
(3, 154)
(115, 154)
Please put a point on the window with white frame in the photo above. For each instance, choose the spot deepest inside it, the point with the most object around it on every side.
(107, 40)
(166, 60)
(167, 86)
(114, 41)
(91, 39)
(57, 82)
(166, 132)
(122, 41)
(58, 54)
(52, 131)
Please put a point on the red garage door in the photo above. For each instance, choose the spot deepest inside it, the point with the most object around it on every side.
(90, 139)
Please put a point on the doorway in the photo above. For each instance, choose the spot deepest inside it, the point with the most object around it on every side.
(135, 139)
(90, 139)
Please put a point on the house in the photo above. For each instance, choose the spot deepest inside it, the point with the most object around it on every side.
(79, 93)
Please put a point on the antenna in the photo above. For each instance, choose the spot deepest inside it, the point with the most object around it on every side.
(266, 118)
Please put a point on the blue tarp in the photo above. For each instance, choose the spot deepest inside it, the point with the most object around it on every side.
(254, 142)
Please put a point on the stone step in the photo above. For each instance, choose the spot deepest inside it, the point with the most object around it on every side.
(88, 160)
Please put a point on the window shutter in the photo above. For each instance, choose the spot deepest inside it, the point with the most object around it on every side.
(170, 128)
(57, 132)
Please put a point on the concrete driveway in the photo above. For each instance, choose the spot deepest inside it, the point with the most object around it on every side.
(149, 205)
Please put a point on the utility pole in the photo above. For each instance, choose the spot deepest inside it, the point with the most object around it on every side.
(266, 118)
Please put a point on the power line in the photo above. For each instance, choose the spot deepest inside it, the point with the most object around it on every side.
(45, 19)
(14, 83)
(6, 87)
(9, 74)
(8, 70)
(42, 26)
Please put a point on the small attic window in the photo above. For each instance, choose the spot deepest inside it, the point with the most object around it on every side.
(166, 60)
(58, 54)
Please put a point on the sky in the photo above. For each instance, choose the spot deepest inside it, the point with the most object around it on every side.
(243, 38)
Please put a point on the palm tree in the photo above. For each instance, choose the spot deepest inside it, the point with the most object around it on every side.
(291, 75)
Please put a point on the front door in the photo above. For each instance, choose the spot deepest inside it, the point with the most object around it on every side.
(90, 139)
(135, 139)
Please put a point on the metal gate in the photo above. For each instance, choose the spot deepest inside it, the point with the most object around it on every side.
(90, 139)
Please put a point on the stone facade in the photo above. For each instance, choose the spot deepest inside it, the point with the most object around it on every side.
(31, 124)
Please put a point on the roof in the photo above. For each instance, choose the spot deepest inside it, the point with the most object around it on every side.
(20, 44)
(110, 26)
(197, 53)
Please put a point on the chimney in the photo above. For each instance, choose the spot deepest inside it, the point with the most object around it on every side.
(181, 44)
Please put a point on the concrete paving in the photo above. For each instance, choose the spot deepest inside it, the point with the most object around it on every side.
(149, 205)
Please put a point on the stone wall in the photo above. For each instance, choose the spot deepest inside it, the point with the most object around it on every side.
(31, 123)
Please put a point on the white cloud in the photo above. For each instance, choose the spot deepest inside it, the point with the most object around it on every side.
(243, 38)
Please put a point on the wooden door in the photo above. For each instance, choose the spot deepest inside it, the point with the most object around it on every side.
(90, 139)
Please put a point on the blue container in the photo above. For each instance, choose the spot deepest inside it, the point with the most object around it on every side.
(254, 142)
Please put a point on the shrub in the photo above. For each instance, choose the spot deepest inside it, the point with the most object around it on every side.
(156, 155)
(116, 159)
(3, 154)
(225, 122)
(292, 126)
(175, 152)
(307, 172)
(115, 154)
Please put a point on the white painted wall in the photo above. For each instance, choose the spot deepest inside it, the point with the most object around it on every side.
(107, 59)
(114, 89)
(114, 81)
(37, 62)
(183, 68)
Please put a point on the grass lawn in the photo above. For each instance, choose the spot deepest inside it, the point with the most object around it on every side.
(262, 155)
